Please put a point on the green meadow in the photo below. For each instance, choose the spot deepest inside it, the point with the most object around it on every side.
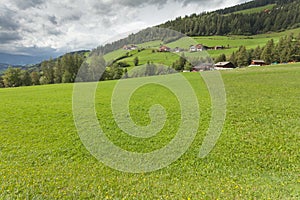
(231, 44)
(256, 10)
(256, 157)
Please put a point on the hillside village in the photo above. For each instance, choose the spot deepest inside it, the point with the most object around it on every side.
(220, 65)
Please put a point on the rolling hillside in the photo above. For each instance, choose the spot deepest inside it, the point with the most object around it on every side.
(231, 42)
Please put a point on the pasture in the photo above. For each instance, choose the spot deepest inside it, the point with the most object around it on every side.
(257, 156)
(256, 10)
(231, 44)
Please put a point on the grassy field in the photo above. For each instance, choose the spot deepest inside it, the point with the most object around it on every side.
(257, 156)
(256, 10)
(233, 42)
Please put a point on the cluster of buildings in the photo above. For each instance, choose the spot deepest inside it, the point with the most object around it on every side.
(211, 66)
(193, 48)
(199, 48)
(130, 47)
(223, 65)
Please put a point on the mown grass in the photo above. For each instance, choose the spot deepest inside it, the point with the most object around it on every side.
(257, 156)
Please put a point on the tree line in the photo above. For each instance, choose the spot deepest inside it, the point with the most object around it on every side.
(252, 4)
(63, 70)
(286, 50)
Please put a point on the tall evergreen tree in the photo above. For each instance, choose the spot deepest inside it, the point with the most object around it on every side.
(268, 52)
(242, 57)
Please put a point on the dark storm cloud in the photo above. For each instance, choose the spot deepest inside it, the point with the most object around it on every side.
(7, 20)
(8, 37)
(72, 17)
(54, 32)
(53, 19)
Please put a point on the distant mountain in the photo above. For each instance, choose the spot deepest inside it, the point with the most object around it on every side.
(4, 66)
(12, 59)
(30, 63)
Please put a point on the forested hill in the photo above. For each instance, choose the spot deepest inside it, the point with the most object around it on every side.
(252, 4)
(285, 14)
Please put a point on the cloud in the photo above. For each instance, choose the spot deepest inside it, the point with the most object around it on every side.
(7, 37)
(52, 19)
(140, 3)
(7, 20)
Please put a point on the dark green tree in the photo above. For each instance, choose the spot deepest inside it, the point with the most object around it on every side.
(136, 61)
(221, 58)
(48, 72)
(242, 57)
(12, 77)
(126, 73)
(1, 82)
(25, 77)
(268, 52)
(35, 78)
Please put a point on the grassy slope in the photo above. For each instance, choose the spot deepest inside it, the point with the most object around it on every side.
(234, 42)
(257, 155)
(256, 10)
(118, 53)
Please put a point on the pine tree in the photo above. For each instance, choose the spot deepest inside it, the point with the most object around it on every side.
(242, 57)
(268, 52)
(25, 77)
(221, 58)
(136, 61)
(35, 78)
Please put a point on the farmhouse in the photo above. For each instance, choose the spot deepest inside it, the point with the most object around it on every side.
(219, 47)
(164, 49)
(177, 50)
(193, 48)
(130, 47)
(258, 62)
(200, 47)
(203, 67)
(224, 65)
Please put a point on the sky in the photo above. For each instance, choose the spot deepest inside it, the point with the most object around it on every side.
(52, 27)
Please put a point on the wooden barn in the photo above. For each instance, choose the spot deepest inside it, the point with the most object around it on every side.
(224, 65)
(258, 62)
